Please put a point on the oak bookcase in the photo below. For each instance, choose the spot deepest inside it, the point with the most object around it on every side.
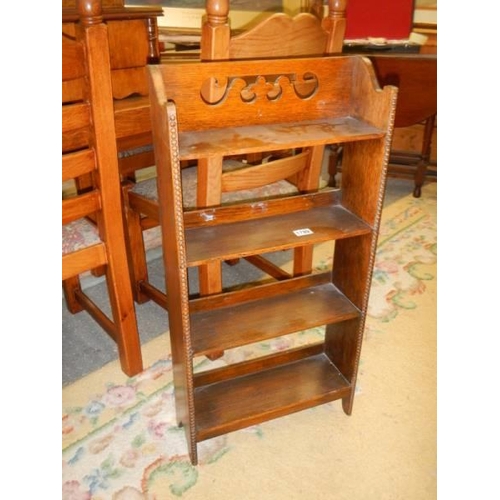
(269, 105)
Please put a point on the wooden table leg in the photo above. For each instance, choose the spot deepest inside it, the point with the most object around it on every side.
(425, 156)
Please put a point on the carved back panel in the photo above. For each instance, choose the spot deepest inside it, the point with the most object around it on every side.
(240, 93)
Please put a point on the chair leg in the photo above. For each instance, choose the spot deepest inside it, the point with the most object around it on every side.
(126, 331)
(70, 287)
(302, 260)
(423, 163)
(210, 279)
(136, 253)
(210, 275)
(333, 161)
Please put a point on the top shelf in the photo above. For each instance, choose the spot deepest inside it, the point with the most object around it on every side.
(244, 140)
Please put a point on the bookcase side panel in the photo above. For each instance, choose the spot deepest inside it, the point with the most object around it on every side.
(165, 137)
(364, 166)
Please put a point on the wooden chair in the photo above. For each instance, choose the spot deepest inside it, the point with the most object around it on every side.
(306, 33)
(89, 149)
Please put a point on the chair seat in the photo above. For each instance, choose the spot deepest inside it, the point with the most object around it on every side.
(77, 235)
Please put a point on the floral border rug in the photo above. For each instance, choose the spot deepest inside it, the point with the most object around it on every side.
(120, 440)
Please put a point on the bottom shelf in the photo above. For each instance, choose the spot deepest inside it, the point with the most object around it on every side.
(264, 389)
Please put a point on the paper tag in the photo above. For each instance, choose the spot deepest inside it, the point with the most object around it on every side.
(302, 232)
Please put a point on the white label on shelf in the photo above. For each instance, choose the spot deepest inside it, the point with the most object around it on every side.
(302, 232)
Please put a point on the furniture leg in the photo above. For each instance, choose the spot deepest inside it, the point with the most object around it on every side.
(333, 160)
(70, 287)
(425, 156)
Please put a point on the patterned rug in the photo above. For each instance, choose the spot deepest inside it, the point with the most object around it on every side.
(120, 440)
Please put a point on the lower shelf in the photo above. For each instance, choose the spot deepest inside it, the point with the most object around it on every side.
(245, 317)
(267, 388)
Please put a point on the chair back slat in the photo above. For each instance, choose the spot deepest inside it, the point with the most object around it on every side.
(76, 164)
(73, 62)
(80, 206)
(73, 69)
(80, 261)
(280, 36)
(75, 116)
(255, 176)
(75, 126)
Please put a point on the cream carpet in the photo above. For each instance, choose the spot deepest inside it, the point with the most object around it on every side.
(120, 441)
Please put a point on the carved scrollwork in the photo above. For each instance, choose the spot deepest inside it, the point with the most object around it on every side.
(252, 88)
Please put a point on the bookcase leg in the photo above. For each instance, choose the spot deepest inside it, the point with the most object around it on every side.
(193, 453)
(347, 403)
(343, 349)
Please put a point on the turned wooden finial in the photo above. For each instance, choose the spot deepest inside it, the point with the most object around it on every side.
(90, 11)
(215, 31)
(153, 47)
(335, 25)
(337, 9)
(217, 11)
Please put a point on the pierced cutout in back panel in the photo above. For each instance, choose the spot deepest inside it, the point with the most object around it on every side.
(252, 88)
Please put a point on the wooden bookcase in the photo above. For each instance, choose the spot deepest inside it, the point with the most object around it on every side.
(347, 107)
